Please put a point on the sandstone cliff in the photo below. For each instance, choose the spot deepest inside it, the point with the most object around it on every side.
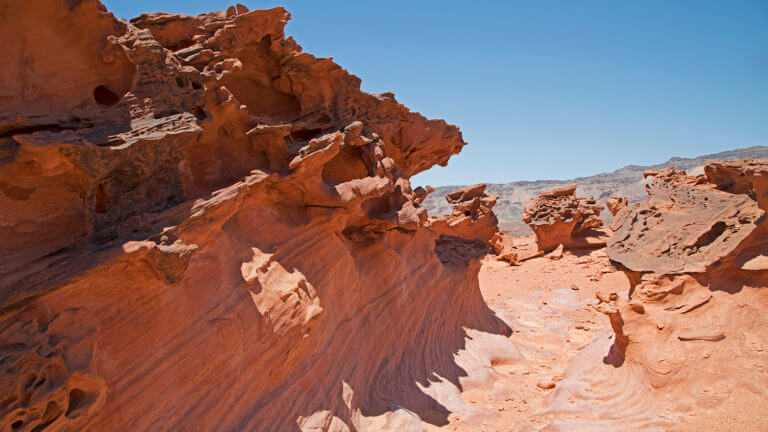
(204, 228)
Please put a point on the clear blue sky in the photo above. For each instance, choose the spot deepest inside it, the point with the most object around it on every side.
(548, 89)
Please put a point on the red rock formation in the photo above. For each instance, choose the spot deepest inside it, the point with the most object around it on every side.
(688, 342)
(205, 228)
(472, 221)
(559, 217)
(472, 217)
(693, 323)
(741, 177)
(615, 204)
(685, 226)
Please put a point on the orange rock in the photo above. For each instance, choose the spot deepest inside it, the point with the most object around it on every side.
(558, 217)
(685, 226)
(472, 217)
(204, 227)
(615, 204)
(691, 298)
(556, 254)
(546, 385)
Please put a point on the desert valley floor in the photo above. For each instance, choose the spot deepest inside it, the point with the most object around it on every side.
(548, 303)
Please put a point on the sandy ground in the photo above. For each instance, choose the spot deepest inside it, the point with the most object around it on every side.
(547, 304)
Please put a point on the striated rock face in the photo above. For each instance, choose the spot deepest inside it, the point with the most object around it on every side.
(205, 228)
(693, 325)
(560, 217)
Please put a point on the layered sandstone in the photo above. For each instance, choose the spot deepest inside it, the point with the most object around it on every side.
(559, 217)
(691, 325)
(206, 228)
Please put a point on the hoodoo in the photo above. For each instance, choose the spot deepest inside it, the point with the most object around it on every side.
(559, 217)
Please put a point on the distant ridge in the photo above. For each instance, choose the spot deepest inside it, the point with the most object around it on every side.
(627, 181)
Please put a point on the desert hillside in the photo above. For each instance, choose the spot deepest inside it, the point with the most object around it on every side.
(627, 182)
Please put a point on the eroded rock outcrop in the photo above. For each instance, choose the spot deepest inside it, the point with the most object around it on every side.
(471, 228)
(205, 228)
(615, 204)
(687, 225)
(559, 217)
(687, 343)
(692, 324)
(472, 217)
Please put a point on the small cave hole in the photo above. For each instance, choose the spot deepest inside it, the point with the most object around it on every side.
(17, 424)
(185, 43)
(50, 414)
(29, 381)
(711, 235)
(102, 199)
(180, 81)
(53, 340)
(76, 399)
(165, 113)
(105, 96)
(196, 85)
(305, 134)
(199, 112)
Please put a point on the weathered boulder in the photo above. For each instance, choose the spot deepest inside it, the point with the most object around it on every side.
(749, 177)
(471, 223)
(472, 216)
(559, 217)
